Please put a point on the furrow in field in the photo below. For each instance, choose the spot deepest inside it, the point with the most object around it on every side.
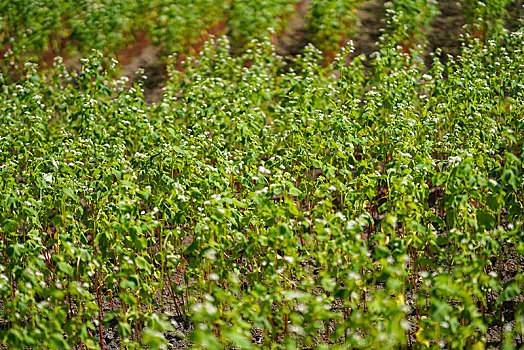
(447, 29)
(296, 37)
(371, 17)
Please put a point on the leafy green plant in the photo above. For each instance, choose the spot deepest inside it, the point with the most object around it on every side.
(331, 23)
(266, 202)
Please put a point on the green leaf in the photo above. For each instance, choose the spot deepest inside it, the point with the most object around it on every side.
(508, 176)
(154, 339)
(15, 337)
(142, 264)
(205, 339)
(493, 202)
(328, 284)
(14, 251)
(48, 177)
(295, 191)
(70, 194)
(486, 219)
(382, 252)
(65, 268)
(57, 341)
(124, 329)
(440, 310)
(90, 344)
(157, 323)
(239, 340)
(511, 291)
(417, 227)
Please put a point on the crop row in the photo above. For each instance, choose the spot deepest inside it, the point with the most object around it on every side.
(68, 27)
(44, 29)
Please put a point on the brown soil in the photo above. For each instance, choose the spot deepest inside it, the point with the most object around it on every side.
(153, 69)
(515, 15)
(143, 55)
(293, 41)
(371, 16)
(447, 28)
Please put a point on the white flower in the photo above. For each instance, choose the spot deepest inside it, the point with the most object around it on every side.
(264, 170)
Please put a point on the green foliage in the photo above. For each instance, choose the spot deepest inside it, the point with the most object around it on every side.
(487, 18)
(379, 209)
(251, 19)
(65, 27)
(409, 21)
(57, 26)
(331, 22)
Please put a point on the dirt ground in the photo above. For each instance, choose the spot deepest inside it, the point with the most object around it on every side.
(153, 69)
(371, 16)
(296, 37)
(447, 29)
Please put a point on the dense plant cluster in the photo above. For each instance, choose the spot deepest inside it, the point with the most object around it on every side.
(269, 202)
(250, 19)
(408, 22)
(46, 25)
(332, 22)
(486, 17)
(68, 27)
